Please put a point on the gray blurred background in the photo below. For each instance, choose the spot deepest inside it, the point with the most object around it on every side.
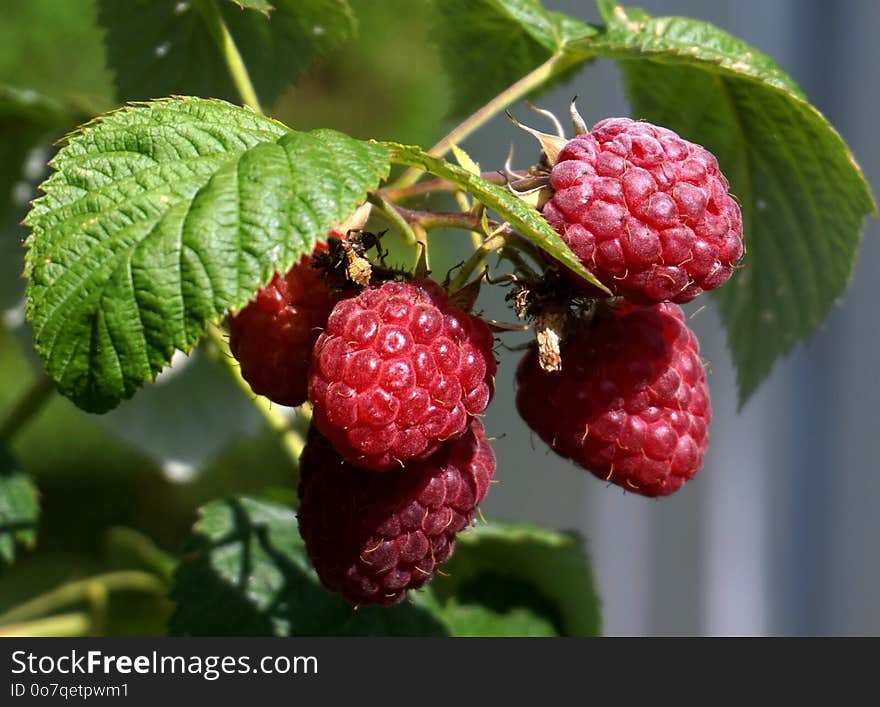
(778, 533)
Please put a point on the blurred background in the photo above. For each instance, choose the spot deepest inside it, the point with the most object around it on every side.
(775, 536)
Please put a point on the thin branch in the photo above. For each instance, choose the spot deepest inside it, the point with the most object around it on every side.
(76, 623)
(394, 193)
(28, 405)
(430, 220)
(83, 590)
(476, 120)
(476, 261)
(291, 441)
(234, 61)
(390, 212)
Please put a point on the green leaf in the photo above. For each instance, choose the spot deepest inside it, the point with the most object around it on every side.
(54, 48)
(486, 45)
(162, 47)
(518, 580)
(258, 5)
(511, 209)
(162, 217)
(803, 196)
(245, 572)
(19, 509)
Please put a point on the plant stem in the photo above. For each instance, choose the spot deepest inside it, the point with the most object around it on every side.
(28, 405)
(84, 590)
(476, 120)
(390, 212)
(476, 261)
(234, 61)
(139, 545)
(446, 219)
(291, 441)
(62, 626)
(394, 193)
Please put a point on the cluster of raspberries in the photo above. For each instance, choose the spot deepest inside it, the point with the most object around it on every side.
(649, 215)
(397, 459)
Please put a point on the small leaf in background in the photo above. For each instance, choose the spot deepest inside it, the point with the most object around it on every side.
(55, 48)
(162, 47)
(465, 161)
(486, 45)
(259, 5)
(803, 196)
(512, 580)
(244, 572)
(160, 218)
(19, 509)
(510, 208)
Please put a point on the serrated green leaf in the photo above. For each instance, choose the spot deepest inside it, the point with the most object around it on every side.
(19, 509)
(803, 196)
(160, 218)
(245, 572)
(162, 47)
(511, 209)
(538, 579)
(486, 45)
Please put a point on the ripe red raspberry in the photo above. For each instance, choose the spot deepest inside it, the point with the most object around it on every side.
(645, 211)
(371, 536)
(631, 404)
(398, 371)
(272, 337)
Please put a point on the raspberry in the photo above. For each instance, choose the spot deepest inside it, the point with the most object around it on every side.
(272, 337)
(371, 536)
(398, 371)
(645, 211)
(631, 404)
